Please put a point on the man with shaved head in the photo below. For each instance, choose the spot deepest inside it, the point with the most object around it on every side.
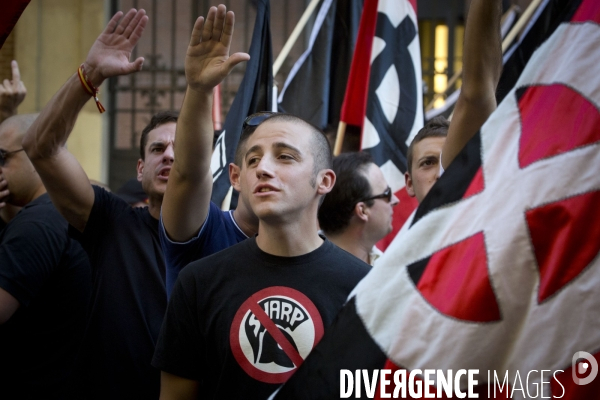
(253, 311)
(45, 282)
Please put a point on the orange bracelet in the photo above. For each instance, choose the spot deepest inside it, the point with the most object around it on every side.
(89, 88)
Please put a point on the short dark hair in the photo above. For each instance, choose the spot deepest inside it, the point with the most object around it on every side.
(158, 119)
(436, 127)
(351, 185)
(322, 154)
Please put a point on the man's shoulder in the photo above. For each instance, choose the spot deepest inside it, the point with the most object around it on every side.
(344, 261)
(223, 225)
(39, 214)
(108, 205)
(226, 258)
(108, 201)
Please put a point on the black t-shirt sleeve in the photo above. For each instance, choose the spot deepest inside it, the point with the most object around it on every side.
(29, 254)
(107, 207)
(179, 350)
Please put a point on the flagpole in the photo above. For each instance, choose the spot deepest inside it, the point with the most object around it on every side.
(294, 36)
(520, 24)
(505, 44)
(339, 138)
(226, 204)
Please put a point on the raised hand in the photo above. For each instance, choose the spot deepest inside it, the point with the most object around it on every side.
(12, 93)
(110, 53)
(207, 61)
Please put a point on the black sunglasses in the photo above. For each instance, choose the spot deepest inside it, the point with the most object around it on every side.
(4, 155)
(387, 196)
(258, 118)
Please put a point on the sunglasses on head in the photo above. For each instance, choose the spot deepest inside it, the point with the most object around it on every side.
(5, 154)
(258, 118)
(387, 196)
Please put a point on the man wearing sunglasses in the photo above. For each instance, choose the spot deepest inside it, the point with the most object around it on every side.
(45, 282)
(240, 321)
(358, 211)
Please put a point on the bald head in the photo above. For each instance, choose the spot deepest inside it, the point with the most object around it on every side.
(24, 183)
(15, 127)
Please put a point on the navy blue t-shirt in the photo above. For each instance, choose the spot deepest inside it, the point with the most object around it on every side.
(218, 232)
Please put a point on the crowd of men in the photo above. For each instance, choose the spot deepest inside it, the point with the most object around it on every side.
(98, 297)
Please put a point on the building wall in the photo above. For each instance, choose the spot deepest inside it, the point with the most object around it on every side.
(50, 41)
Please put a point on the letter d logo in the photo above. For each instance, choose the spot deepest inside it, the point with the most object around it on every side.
(581, 368)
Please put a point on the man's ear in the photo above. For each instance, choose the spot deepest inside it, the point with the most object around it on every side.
(325, 181)
(409, 184)
(234, 176)
(140, 169)
(361, 211)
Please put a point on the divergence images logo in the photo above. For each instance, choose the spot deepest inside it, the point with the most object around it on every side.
(583, 364)
(273, 332)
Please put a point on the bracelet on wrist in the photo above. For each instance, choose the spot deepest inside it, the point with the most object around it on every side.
(89, 88)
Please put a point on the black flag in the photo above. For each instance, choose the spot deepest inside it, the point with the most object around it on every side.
(315, 87)
(254, 94)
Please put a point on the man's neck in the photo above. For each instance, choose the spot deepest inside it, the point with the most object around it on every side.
(154, 205)
(247, 224)
(352, 243)
(41, 190)
(288, 240)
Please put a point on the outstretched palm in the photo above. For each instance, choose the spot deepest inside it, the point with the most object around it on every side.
(207, 61)
(110, 53)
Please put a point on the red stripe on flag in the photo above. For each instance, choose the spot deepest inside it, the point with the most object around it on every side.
(589, 10)
(401, 213)
(457, 283)
(560, 234)
(477, 184)
(355, 101)
(555, 108)
(11, 11)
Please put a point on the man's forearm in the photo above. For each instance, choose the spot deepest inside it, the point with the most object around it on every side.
(483, 48)
(482, 64)
(186, 202)
(52, 128)
(194, 136)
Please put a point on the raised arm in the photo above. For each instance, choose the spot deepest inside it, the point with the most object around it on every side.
(65, 180)
(482, 65)
(207, 63)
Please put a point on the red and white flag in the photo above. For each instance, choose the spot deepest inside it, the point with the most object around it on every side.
(384, 94)
(500, 271)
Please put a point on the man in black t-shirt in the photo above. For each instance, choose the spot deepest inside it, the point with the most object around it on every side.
(45, 283)
(241, 321)
(129, 298)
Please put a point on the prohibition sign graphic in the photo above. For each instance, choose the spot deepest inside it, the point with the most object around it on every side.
(273, 331)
